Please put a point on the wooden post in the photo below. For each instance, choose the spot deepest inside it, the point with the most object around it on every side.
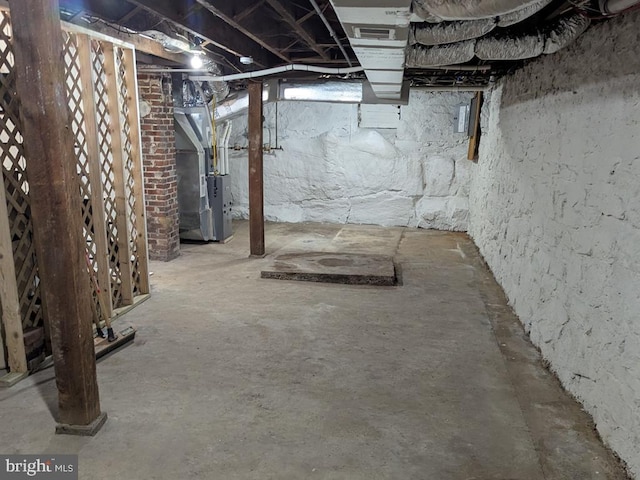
(11, 316)
(56, 210)
(474, 141)
(95, 175)
(256, 190)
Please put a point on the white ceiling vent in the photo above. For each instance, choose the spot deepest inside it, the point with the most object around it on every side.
(371, 33)
(378, 31)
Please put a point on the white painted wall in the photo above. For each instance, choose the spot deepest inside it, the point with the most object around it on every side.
(329, 170)
(555, 210)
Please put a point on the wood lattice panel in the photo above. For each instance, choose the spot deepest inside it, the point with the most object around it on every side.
(14, 172)
(106, 164)
(102, 103)
(75, 100)
(129, 162)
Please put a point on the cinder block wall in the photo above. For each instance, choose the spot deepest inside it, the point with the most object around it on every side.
(159, 152)
(555, 210)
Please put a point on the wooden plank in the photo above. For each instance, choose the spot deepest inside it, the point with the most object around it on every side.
(474, 141)
(248, 11)
(38, 47)
(122, 218)
(101, 31)
(95, 176)
(138, 177)
(11, 316)
(256, 180)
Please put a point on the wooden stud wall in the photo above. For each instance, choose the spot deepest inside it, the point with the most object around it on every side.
(102, 98)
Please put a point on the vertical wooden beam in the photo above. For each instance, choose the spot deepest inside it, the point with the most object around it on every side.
(474, 141)
(11, 316)
(119, 174)
(55, 208)
(138, 177)
(95, 174)
(256, 188)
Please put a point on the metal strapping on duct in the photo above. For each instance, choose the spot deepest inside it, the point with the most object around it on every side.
(450, 32)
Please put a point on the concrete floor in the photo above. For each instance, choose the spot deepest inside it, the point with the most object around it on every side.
(236, 377)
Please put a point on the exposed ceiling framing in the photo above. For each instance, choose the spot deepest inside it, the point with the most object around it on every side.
(278, 32)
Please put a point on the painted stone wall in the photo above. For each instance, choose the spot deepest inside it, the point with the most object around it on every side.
(555, 211)
(330, 170)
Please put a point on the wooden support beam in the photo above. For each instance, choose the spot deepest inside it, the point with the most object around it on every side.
(474, 141)
(248, 11)
(129, 15)
(293, 23)
(306, 17)
(11, 315)
(95, 175)
(142, 44)
(119, 173)
(138, 180)
(55, 209)
(215, 30)
(256, 188)
(232, 23)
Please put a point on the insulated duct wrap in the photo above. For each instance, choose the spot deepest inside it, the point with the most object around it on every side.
(565, 31)
(422, 57)
(450, 32)
(432, 10)
(510, 48)
(518, 16)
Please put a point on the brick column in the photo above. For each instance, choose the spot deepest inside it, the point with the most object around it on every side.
(159, 157)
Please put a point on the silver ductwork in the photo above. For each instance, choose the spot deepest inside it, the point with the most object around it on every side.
(450, 32)
(552, 38)
(565, 32)
(434, 10)
(521, 14)
(451, 54)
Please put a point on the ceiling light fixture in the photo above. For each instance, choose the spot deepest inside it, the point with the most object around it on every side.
(196, 62)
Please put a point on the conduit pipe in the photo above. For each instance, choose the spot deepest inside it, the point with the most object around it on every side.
(256, 73)
(331, 31)
(226, 136)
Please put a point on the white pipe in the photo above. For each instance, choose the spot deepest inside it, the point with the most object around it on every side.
(331, 31)
(257, 73)
(227, 138)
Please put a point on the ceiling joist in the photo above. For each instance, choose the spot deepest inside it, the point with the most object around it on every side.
(293, 23)
(231, 22)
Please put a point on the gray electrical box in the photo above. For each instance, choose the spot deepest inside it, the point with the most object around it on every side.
(220, 195)
(461, 118)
